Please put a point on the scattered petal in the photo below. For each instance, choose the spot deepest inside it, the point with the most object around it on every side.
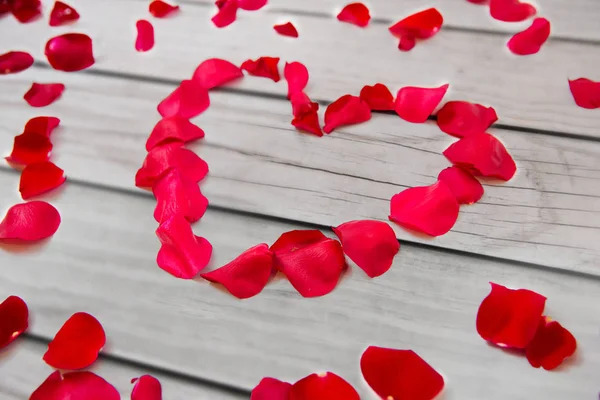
(216, 72)
(482, 154)
(15, 61)
(400, 374)
(355, 13)
(305, 113)
(252, 5)
(62, 14)
(510, 318)
(406, 43)
(226, 14)
(421, 25)
(287, 29)
(550, 346)
(177, 195)
(247, 275)
(43, 94)
(462, 184)
(30, 148)
(461, 118)
(182, 253)
(429, 209)
(271, 389)
(378, 97)
(372, 245)
(511, 10)
(145, 36)
(586, 93)
(5, 7)
(530, 40)
(75, 386)
(478, 1)
(327, 386)
(14, 320)
(27, 222)
(70, 52)
(416, 104)
(26, 10)
(187, 101)
(161, 9)
(40, 178)
(346, 110)
(146, 387)
(173, 129)
(264, 66)
(296, 75)
(41, 125)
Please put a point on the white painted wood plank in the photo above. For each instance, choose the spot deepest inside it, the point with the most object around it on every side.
(102, 261)
(548, 214)
(533, 93)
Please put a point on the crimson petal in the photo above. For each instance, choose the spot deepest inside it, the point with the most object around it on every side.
(550, 346)
(145, 36)
(75, 386)
(15, 61)
(530, 40)
(327, 386)
(161, 9)
(378, 97)
(146, 387)
(511, 10)
(271, 389)
(265, 67)
(296, 75)
(188, 100)
(346, 110)
(586, 93)
(372, 245)
(226, 14)
(62, 14)
(355, 13)
(461, 118)
(70, 52)
(40, 178)
(252, 5)
(173, 129)
(14, 320)
(287, 29)
(429, 209)
(416, 104)
(43, 94)
(421, 25)
(175, 194)
(26, 10)
(216, 72)
(305, 113)
(463, 185)
(41, 125)
(27, 222)
(30, 148)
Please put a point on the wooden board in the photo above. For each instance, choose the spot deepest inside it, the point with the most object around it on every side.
(533, 93)
(102, 261)
(548, 214)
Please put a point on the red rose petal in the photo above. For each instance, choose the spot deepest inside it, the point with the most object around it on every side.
(421, 25)
(530, 40)
(177, 195)
(247, 275)
(482, 154)
(478, 1)
(287, 29)
(77, 343)
(252, 5)
(429, 209)
(327, 386)
(173, 129)
(271, 389)
(406, 43)
(462, 184)
(40, 178)
(511, 10)
(372, 245)
(346, 110)
(30, 148)
(27, 222)
(216, 72)
(416, 104)
(145, 36)
(226, 14)
(188, 100)
(550, 346)
(170, 155)
(296, 75)
(70, 52)
(264, 66)
(26, 10)
(43, 94)
(146, 388)
(400, 374)
(41, 125)
(302, 104)
(62, 14)
(15, 61)
(75, 386)
(586, 93)
(14, 320)
(312, 262)
(461, 118)
(5, 7)
(161, 9)
(305, 113)
(378, 97)
(510, 318)
(182, 253)
(355, 13)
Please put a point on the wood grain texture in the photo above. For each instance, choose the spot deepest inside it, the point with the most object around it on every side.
(548, 214)
(527, 91)
(102, 261)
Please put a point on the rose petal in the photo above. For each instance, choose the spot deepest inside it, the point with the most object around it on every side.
(327, 386)
(14, 320)
(75, 386)
(145, 36)
(462, 184)
(216, 72)
(5, 6)
(15, 61)
(586, 93)
(346, 110)
(173, 129)
(287, 29)
(305, 113)
(264, 66)
(177, 195)
(226, 14)
(550, 346)
(312, 262)
(146, 388)
(41, 125)
(26, 10)
(252, 5)
(400, 374)
(372, 245)
(429, 209)
(511, 10)
(378, 97)
(406, 43)
(43, 94)
(62, 14)
(461, 118)
(271, 389)
(355, 13)
(70, 52)
(510, 318)
(182, 253)
(188, 100)
(478, 1)
(301, 104)
(40, 178)
(296, 75)
(416, 104)
(530, 40)
(27, 222)
(247, 275)
(421, 25)
(77, 343)
(161, 9)
(482, 154)
(30, 148)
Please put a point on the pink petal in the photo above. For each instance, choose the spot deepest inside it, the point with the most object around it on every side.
(416, 104)
(355, 13)
(27, 222)
(296, 75)
(146, 388)
(215, 72)
(346, 110)
(70, 52)
(62, 14)
(462, 184)
(378, 97)
(265, 67)
(271, 389)
(15, 61)
(173, 129)
(75, 386)
(145, 36)
(530, 41)
(252, 5)
(43, 94)
(287, 29)
(26, 10)
(177, 195)
(187, 101)
(586, 93)
(511, 10)
(226, 14)
(161, 9)
(461, 118)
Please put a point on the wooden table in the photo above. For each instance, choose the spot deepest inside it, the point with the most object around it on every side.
(539, 231)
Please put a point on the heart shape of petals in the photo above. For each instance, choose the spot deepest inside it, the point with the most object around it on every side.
(586, 92)
(421, 25)
(70, 52)
(247, 275)
(216, 72)
(346, 110)
(550, 346)
(356, 14)
(145, 36)
(15, 61)
(510, 318)
(28, 222)
(296, 75)
(227, 13)
(416, 104)
(461, 118)
(378, 97)
(173, 129)
(177, 195)
(372, 245)
(429, 209)
(30, 148)
(287, 29)
(530, 40)
(306, 117)
(271, 389)
(265, 67)
(40, 178)
(75, 386)
(182, 253)
(462, 184)
(62, 14)
(326, 386)
(252, 5)
(161, 9)
(400, 374)
(511, 10)
(14, 320)
(26, 10)
(41, 125)
(482, 154)
(43, 94)
(188, 100)
(146, 387)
